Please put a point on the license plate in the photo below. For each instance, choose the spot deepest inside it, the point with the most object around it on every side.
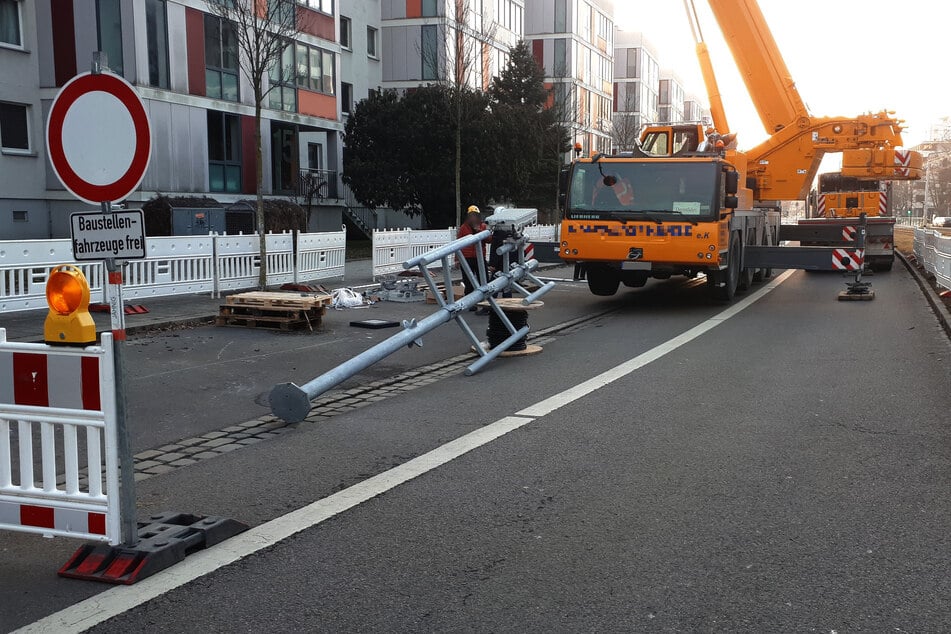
(635, 266)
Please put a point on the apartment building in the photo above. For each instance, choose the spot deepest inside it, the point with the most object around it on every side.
(573, 40)
(670, 97)
(183, 61)
(461, 42)
(636, 83)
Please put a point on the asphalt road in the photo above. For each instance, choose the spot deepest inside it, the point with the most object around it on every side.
(786, 470)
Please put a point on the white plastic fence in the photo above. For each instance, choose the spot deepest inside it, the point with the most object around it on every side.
(321, 255)
(25, 265)
(541, 233)
(392, 247)
(238, 260)
(933, 251)
(174, 265)
(59, 470)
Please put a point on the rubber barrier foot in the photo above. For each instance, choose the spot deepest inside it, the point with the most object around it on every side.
(164, 540)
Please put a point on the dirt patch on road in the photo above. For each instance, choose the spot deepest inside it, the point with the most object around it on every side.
(905, 240)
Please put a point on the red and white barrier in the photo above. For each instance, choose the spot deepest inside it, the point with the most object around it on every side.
(58, 427)
(848, 259)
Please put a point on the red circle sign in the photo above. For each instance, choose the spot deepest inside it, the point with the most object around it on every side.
(98, 137)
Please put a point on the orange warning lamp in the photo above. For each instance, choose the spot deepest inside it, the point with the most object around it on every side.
(69, 321)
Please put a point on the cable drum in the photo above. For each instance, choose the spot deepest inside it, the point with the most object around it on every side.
(496, 332)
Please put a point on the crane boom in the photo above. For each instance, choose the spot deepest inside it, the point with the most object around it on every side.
(784, 166)
(761, 65)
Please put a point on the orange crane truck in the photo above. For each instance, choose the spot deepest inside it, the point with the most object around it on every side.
(686, 201)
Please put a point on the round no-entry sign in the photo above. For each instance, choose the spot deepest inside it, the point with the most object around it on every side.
(98, 137)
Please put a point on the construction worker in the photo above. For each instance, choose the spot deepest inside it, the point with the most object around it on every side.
(471, 225)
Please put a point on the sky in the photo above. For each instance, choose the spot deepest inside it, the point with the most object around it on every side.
(846, 57)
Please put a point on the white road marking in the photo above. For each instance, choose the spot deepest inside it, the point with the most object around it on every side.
(115, 601)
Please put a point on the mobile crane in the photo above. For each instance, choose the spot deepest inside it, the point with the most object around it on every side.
(686, 201)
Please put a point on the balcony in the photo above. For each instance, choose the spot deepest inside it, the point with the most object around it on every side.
(319, 185)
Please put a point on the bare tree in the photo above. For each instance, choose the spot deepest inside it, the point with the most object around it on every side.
(625, 125)
(565, 109)
(262, 30)
(455, 65)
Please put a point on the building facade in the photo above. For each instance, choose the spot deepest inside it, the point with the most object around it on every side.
(184, 62)
(636, 86)
(457, 42)
(573, 40)
(670, 98)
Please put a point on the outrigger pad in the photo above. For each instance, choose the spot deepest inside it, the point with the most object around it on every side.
(164, 540)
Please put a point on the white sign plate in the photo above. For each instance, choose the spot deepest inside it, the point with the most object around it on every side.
(99, 236)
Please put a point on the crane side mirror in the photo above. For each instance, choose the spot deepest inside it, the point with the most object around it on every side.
(732, 182)
(731, 202)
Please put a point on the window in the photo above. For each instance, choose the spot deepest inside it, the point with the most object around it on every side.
(315, 69)
(561, 16)
(156, 30)
(560, 68)
(224, 152)
(632, 54)
(429, 55)
(20, 215)
(10, 31)
(221, 59)
(14, 128)
(314, 152)
(345, 34)
(283, 95)
(429, 8)
(346, 97)
(324, 6)
(109, 30)
(371, 41)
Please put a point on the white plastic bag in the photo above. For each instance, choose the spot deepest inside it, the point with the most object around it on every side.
(346, 298)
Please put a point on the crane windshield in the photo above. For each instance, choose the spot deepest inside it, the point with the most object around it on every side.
(608, 189)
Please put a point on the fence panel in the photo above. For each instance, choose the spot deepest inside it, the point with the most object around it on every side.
(390, 249)
(238, 262)
(321, 255)
(942, 259)
(25, 265)
(173, 265)
(280, 258)
(59, 471)
(541, 233)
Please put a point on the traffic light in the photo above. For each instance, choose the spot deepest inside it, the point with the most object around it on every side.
(69, 321)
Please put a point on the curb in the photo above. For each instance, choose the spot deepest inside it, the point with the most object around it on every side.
(940, 310)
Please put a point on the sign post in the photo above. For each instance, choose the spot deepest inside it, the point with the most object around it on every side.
(99, 142)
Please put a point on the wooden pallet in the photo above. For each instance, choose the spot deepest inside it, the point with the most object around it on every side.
(274, 317)
(268, 299)
(458, 290)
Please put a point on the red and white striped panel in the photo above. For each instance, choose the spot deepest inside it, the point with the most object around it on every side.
(902, 162)
(882, 203)
(529, 251)
(49, 380)
(53, 520)
(848, 233)
(848, 259)
(821, 207)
